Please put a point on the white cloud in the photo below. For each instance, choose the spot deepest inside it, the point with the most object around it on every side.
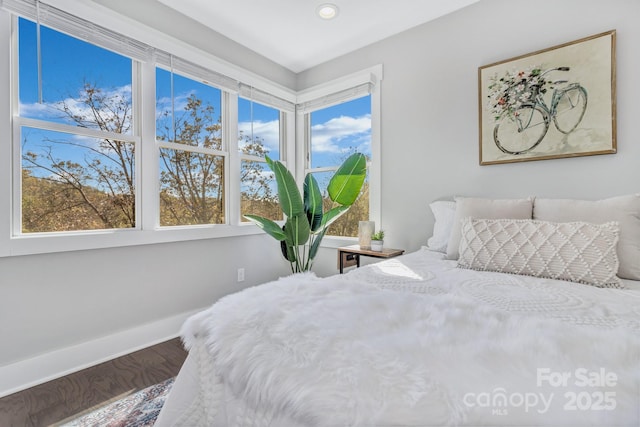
(179, 103)
(332, 137)
(52, 111)
(328, 137)
(268, 131)
(35, 110)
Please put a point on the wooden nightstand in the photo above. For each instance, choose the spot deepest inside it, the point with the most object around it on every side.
(350, 255)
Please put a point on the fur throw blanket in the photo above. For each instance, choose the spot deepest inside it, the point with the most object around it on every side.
(341, 351)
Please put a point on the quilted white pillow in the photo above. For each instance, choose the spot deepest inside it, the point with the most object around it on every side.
(475, 207)
(575, 251)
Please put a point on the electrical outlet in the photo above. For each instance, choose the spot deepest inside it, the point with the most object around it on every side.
(241, 274)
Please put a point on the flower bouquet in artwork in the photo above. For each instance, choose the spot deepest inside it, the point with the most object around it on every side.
(508, 92)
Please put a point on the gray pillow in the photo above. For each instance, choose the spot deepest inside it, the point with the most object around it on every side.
(623, 209)
(485, 209)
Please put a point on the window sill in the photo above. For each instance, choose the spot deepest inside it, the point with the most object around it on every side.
(49, 243)
(334, 242)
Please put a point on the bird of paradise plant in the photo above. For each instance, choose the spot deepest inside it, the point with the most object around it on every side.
(306, 224)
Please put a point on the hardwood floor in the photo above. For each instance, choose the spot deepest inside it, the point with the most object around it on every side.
(67, 397)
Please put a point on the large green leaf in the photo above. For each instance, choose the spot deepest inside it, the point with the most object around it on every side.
(288, 193)
(296, 230)
(288, 252)
(313, 250)
(346, 184)
(332, 215)
(312, 202)
(269, 226)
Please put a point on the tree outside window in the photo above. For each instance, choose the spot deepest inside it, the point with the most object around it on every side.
(79, 145)
(258, 136)
(78, 149)
(337, 132)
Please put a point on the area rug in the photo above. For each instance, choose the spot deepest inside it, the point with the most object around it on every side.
(139, 409)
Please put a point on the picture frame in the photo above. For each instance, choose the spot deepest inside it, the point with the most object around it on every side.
(553, 103)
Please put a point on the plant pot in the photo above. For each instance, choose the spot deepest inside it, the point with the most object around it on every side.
(376, 245)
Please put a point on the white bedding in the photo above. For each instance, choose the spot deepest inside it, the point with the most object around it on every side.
(412, 341)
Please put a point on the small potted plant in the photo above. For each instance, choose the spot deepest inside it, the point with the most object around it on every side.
(377, 240)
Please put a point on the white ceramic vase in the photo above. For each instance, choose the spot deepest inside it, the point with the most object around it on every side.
(365, 230)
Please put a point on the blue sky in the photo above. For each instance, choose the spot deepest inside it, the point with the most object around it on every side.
(67, 63)
(340, 129)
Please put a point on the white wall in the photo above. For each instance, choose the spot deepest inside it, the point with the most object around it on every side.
(430, 108)
(66, 310)
(54, 298)
(161, 17)
(156, 15)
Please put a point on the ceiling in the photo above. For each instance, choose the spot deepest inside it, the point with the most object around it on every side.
(290, 33)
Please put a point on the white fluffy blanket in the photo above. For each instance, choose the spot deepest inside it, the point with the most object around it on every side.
(439, 346)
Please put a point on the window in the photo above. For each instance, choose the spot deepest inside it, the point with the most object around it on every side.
(192, 153)
(335, 133)
(338, 118)
(138, 146)
(77, 144)
(259, 133)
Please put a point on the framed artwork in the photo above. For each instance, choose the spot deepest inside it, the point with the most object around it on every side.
(553, 103)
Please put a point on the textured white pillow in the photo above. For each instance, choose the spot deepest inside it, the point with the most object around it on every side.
(443, 211)
(623, 209)
(575, 251)
(485, 208)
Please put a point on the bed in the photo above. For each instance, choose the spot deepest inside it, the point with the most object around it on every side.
(430, 339)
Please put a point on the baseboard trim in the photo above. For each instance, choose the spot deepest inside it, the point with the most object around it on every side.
(30, 372)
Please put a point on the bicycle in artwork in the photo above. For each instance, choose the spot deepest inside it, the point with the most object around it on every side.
(523, 116)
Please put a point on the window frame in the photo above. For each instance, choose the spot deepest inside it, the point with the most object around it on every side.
(282, 148)
(224, 152)
(147, 230)
(17, 122)
(331, 93)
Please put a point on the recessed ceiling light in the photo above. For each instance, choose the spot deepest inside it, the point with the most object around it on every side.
(327, 11)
